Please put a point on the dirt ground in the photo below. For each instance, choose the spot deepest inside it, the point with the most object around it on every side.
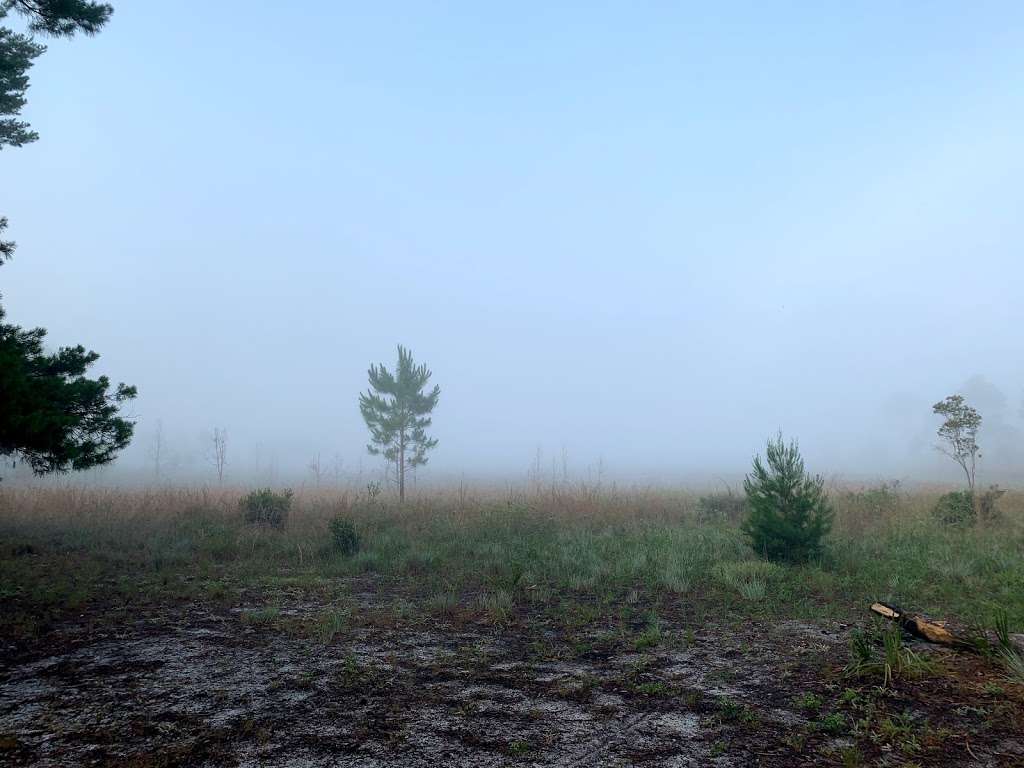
(199, 686)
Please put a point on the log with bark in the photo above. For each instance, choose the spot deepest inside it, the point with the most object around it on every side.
(919, 626)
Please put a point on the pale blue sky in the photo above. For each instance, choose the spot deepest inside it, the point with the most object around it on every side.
(649, 232)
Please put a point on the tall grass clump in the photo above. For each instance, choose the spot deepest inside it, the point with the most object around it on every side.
(789, 514)
(750, 579)
(894, 661)
(1011, 656)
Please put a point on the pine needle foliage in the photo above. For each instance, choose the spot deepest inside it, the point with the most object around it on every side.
(397, 410)
(789, 513)
(61, 18)
(51, 414)
(7, 247)
(17, 54)
(55, 18)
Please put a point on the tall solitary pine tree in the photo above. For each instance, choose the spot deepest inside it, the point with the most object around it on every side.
(397, 410)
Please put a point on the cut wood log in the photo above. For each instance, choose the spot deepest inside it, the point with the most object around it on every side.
(919, 626)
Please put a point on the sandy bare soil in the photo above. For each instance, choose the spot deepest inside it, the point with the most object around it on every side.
(198, 686)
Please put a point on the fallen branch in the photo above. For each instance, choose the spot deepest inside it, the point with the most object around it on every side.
(919, 626)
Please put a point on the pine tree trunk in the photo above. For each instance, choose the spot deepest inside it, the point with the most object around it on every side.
(401, 469)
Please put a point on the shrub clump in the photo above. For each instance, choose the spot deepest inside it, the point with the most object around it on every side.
(965, 508)
(789, 513)
(987, 510)
(721, 506)
(955, 508)
(344, 535)
(267, 507)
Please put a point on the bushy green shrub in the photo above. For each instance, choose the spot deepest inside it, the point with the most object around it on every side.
(789, 514)
(963, 508)
(267, 507)
(955, 508)
(726, 506)
(344, 535)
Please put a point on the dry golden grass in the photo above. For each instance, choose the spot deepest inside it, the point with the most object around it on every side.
(858, 508)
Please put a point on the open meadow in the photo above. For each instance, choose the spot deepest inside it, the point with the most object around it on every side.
(559, 627)
(338, 340)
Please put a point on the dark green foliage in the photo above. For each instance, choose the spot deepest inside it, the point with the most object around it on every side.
(833, 724)
(344, 535)
(789, 514)
(397, 412)
(726, 506)
(17, 53)
(50, 413)
(6, 246)
(59, 18)
(965, 508)
(267, 507)
(955, 508)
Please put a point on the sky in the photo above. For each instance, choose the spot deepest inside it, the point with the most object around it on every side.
(648, 235)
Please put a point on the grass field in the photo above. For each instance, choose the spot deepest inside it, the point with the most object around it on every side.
(621, 588)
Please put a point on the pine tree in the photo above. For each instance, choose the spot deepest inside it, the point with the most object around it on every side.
(789, 514)
(57, 18)
(6, 246)
(397, 412)
(51, 414)
(17, 54)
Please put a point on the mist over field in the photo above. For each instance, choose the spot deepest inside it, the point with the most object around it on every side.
(640, 248)
(485, 385)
